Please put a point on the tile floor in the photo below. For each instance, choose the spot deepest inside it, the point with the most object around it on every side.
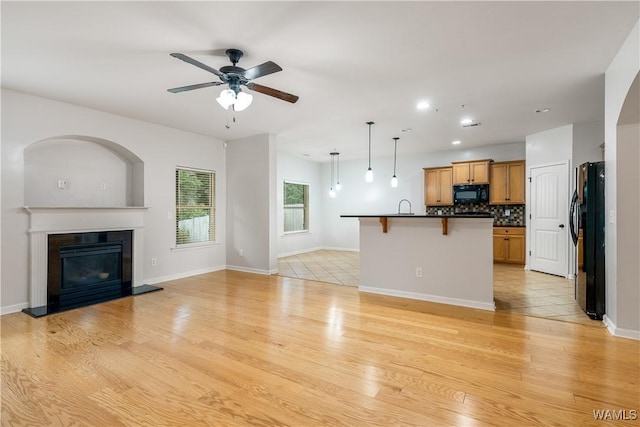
(341, 267)
(515, 290)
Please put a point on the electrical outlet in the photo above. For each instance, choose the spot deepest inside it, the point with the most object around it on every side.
(418, 271)
(62, 184)
(507, 212)
(103, 186)
(439, 211)
(241, 252)
(154, 261)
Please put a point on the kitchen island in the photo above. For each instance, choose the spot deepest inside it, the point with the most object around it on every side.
(441, 258)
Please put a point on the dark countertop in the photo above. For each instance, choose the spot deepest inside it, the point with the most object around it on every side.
(415, 216)
(509, 225)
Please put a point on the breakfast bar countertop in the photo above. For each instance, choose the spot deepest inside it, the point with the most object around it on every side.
(395, 215)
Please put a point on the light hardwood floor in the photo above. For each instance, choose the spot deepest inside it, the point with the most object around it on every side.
(515, 290)
(230, 348)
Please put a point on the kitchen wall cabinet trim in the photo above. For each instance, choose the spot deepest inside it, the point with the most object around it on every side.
(471, 172)
(507, 183)
(438, 186)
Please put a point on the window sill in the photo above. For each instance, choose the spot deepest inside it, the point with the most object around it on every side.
(190, 246)
(290, 233)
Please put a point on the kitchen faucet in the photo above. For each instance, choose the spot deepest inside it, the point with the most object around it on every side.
(400, 204)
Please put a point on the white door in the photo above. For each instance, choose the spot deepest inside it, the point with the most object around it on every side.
(549, 216)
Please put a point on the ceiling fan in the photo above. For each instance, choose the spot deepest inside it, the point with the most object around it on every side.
(235, 77)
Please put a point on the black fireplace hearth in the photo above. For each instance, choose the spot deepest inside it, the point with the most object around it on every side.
(88, 268)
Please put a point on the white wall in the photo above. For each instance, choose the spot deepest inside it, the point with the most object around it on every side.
(550, 146)
(587, 138)
(28, 119)
(251, 204)
(93, 175)
(358, 197)
(305, 172)
(620, 163)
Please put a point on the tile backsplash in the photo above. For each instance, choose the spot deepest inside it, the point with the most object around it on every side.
(515, 219)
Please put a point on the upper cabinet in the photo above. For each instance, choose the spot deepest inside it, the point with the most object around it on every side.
(438, 187)
(475, 172)
(507, 183)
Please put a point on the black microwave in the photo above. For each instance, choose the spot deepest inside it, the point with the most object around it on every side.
(471, 193)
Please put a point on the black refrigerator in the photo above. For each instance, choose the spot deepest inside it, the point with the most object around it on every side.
(587, 217)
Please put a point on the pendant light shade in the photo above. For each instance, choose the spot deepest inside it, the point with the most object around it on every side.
(368, 177)
(338, 186)
(335, 159)
(394, 179)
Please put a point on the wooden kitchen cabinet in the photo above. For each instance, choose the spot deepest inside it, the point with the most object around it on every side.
(438, 186)
(475, 172)
(509, 245)
(506, 185)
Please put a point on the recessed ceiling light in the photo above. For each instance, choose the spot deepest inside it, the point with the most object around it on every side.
(466, 121)
(456, 142)
(422, 105)
(543, 110)
(407, 130)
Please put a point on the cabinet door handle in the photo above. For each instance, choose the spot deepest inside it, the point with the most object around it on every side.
(561, 226)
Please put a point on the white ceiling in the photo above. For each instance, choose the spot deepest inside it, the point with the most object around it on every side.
(350, 62)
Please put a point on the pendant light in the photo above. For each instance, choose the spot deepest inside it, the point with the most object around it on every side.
(332, 192)
(368, 177)
(338, 186)
(394, 179)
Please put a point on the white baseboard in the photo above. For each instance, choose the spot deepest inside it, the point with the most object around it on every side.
(619, 332)
(330, 248)
(252, 270)
(155, 280)
(490, 306)
(13, 308)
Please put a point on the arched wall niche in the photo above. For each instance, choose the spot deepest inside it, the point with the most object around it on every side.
(82, 171)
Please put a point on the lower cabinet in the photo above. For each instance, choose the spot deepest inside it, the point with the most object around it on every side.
(509, 244)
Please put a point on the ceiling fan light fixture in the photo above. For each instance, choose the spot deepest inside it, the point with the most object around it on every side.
(227, 98)
(242, 101)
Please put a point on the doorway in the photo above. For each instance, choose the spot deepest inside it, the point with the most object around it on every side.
(548, 227)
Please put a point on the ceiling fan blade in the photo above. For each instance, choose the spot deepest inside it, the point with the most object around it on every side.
(198, 64)
(268, 67)
(192, 87)
(273, 92)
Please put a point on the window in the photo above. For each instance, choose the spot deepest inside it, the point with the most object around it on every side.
(195, 206)
(296, 207)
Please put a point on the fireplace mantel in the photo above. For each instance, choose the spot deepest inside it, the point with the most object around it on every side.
(45, 220)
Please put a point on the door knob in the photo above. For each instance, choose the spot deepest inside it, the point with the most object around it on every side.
(561, 226)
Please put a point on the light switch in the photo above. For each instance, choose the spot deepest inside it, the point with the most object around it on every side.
(62, 184)
(612, 217)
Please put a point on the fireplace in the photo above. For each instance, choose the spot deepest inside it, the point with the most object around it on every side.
(86, 268)
(60, 237)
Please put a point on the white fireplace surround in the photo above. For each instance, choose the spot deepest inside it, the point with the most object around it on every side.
(44, 221)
